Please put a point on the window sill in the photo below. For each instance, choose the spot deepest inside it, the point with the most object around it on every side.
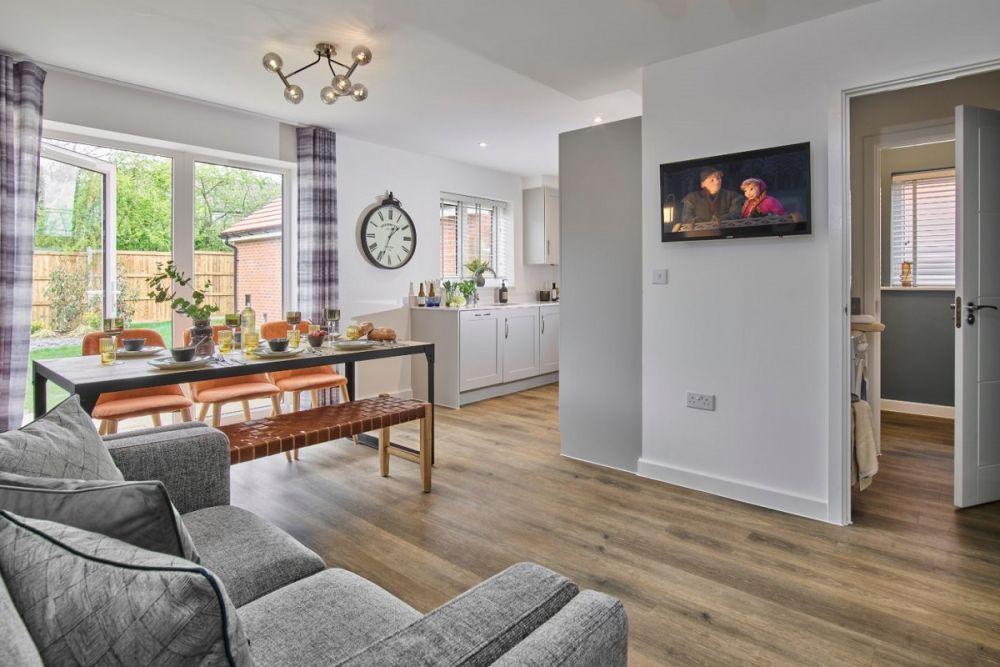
(919, 289)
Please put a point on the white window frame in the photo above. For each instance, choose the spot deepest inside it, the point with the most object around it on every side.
(926, 174)
(503, 226)
(183, 158)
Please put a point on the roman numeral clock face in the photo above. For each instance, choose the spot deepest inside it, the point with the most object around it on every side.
(388, 237)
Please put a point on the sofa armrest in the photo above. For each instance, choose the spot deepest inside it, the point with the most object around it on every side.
(191, 459)
(479, 626)
(592, 629)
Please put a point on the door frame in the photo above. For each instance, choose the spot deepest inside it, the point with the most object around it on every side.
(839, 478)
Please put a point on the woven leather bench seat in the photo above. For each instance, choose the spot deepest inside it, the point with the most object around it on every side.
(283, 433)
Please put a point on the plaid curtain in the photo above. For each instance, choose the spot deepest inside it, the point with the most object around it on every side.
(20, 144)
(317, 229)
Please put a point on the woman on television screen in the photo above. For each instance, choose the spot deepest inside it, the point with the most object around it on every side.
(758, 203)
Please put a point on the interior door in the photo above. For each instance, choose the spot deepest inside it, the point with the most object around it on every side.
(977, 319)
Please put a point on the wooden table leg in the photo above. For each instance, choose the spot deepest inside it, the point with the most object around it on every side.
(429, 354)
(88, 400)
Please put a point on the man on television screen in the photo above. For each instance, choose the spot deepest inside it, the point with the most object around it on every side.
(711, 203)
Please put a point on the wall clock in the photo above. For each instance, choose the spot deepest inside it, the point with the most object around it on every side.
(388, 237)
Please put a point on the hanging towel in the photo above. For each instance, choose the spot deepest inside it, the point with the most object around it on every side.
(866, 447)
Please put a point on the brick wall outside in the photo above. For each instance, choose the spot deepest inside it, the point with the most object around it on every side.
(258, 273)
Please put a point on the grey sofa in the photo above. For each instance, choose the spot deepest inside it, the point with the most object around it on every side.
(295, 611)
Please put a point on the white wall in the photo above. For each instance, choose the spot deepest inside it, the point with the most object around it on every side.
(758, 321)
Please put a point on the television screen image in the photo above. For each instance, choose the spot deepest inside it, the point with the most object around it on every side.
(755, 193)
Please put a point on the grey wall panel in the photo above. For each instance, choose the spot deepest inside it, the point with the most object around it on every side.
(600, 351)
(918, 347)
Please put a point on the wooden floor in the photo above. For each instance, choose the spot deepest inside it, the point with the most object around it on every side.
(704, 580)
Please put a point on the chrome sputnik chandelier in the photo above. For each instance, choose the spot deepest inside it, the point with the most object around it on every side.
(340, 85)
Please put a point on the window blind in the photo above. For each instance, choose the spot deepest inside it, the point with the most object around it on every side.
(471, 228)
(923, 228)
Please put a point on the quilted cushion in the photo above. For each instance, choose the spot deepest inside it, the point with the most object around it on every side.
(139, 513)
(61, 443)
(90, 599)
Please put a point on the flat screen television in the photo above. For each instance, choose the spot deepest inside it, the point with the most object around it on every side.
(754, 193)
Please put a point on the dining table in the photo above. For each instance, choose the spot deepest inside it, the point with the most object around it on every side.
(88, 378)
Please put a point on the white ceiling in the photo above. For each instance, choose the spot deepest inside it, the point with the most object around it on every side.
(446, 74)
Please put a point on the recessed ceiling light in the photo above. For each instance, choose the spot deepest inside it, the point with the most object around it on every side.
(598, 119)
(483, 144)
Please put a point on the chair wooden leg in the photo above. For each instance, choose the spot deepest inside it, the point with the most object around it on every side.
(216, 415)
(246, 410)
(275, 405)
(425, 447)
(112, 427)
(314, 397)
(102, 427)
(203, 412)
(156, 419)
(296, 400)
(383, 451)
(186, 414)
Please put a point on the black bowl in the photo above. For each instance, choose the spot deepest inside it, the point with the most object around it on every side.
(183, 353)
(133, 344)
(278, 344)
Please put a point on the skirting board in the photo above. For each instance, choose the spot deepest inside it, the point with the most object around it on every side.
(475, 395)
(910, 408)
(811, 508)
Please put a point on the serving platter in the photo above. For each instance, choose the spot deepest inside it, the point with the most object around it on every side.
(168, 364)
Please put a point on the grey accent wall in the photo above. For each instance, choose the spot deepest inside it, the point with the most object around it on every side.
(600, 334)
(918, 346)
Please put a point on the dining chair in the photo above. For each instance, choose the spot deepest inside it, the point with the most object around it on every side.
(301, 380)
(239, 389)
(114, 406)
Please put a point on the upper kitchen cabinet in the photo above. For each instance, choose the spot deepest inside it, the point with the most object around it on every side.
(541, 225)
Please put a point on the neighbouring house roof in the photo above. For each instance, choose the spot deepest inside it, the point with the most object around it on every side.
(264, 220)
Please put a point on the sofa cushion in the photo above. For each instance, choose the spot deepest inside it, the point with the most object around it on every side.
(139, 513)
(61, 443)
(17, 647)
(251, 556)
(322, 619)
(90, 599)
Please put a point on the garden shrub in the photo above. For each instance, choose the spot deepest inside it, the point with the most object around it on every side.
(67, 297)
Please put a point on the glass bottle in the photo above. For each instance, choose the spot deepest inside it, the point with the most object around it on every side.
(421, 296)
(248, 328)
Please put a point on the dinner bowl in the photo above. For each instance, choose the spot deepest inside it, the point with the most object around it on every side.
(183, 353)
(278, 344)
(316, 339)
(133, 344)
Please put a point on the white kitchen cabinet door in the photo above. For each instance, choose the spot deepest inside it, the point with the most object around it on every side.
(551, 226)
(548, 340)
(520, 343)
(480, 349)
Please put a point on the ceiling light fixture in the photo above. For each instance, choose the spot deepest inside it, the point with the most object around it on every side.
(340, 85)
(483, 144)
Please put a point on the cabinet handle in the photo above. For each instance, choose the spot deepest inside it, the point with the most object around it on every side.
(506, 328)
(548, 247)
(543, 324)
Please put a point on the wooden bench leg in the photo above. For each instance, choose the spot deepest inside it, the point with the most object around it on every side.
(383, 451)
(425, 448)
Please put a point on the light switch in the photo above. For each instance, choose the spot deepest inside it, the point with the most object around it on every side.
(659, 276)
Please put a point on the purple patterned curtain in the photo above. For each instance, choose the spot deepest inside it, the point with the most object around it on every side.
(20, 144)
(317, 229)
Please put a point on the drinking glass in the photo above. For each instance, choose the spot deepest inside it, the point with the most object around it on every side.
(294, 337)
(108, 350)
(232, 320)
(225, 341)
(251, 339)
(293, 317)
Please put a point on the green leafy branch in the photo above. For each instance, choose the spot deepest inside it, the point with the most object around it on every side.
(160, 291)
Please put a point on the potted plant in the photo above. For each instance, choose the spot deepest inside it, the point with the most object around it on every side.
(468, 290)
(161, 291)
(478, 267)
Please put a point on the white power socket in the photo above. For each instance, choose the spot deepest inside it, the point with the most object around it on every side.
(701, 401)
(659, 276)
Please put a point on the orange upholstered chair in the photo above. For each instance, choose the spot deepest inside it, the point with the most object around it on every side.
(242, 389)
(114, 406)
(303, 379)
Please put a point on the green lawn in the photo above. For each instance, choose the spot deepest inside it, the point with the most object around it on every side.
(55, 393)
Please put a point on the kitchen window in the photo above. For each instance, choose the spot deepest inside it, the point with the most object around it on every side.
(471, 229)
(923, 229)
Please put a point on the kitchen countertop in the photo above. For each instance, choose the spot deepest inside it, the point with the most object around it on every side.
(489, 306)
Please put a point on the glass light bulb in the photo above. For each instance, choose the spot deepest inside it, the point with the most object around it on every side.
(362, 55)
(293, 94)
(342, 84)
(359, 92)
(328, 95)
(272, 62)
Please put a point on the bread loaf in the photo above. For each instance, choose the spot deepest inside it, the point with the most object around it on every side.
(382, 334)
(365, 328)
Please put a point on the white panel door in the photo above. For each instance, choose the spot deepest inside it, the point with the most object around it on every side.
(977, 299)
(480, 346)
(548, 340)
(520, 343)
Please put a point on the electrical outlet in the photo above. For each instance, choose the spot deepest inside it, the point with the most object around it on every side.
(659, 276)
(701, 401)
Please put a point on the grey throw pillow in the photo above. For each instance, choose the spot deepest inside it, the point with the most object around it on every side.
(89, 599)
(139, 513)
(61, 443)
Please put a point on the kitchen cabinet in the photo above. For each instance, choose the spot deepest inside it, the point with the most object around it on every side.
(480, 349)
(541, 225)
(520, 343)
(548, 339)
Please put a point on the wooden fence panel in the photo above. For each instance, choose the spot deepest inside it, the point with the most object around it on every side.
(137, 267)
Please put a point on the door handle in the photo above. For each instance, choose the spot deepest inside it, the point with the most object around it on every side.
(506, 328)
(971, 308)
